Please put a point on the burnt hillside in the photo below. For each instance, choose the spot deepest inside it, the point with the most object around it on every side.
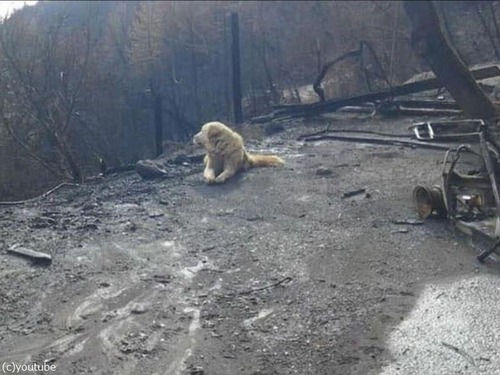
(84, 81)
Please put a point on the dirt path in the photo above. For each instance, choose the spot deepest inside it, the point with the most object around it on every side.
(272, 273)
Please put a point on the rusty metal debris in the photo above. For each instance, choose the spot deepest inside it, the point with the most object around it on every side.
(448, 131)
(428, 201)
(468, 194)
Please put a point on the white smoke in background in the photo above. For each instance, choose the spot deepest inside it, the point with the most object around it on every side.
(7, 7)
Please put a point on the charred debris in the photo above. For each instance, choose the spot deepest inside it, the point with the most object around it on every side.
(468, 195)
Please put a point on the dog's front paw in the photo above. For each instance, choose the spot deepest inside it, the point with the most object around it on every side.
(220, 180)
(209, 176)
(209, 179)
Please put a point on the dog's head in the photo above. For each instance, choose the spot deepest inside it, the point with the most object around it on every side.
(209, 132)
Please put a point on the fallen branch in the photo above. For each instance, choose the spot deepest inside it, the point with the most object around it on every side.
(44, 195)
(317, 84)
(285, 280)
(407, 222)
(457, 350)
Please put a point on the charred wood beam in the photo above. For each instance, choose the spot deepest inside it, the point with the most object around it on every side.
(428, 104)
(377, 140)
(400, 110)
(429, 41)
(410, 88)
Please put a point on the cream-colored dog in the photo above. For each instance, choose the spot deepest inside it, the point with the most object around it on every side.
(226, 154)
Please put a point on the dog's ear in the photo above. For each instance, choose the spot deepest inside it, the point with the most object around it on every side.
(213, 132)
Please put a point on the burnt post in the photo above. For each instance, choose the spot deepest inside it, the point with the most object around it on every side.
(429, 41)
(158, 113)
(236, 65)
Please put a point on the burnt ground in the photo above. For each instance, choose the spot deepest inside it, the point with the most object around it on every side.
(272, 273)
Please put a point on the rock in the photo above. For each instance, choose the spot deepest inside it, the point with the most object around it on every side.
(149, 170)
(323, 171)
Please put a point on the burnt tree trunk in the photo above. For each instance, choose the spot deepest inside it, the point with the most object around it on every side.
(429, 41)
(235, 53)
(158, 114)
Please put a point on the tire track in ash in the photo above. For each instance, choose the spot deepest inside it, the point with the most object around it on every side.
(122, 313)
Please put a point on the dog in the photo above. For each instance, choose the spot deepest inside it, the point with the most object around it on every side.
(226, 154)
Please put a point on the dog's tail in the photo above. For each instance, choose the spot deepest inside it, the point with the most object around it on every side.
(264, 161)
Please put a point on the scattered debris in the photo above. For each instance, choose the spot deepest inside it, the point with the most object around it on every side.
(408, 222)
(284, 280)
(427, 103)
(40, 222)
(209, 248)
(303, 110)
(346, 165)
(410, 108)
(323, 171)
(483, 255)
(35, 256)
(458, 130)
(457, 350)
(366, 108)
(400, 231)
(148, 169)
(254, 218)
(162, 279)
(195, 370)
(469, 195)
(428, 200)
(378, 140)
(328, 130)
(44, 195)
(353, 193)
(185, 159)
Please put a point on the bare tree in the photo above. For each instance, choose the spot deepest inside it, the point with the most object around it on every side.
(43, 76)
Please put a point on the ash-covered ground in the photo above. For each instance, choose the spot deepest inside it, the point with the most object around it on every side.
(273, 273)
